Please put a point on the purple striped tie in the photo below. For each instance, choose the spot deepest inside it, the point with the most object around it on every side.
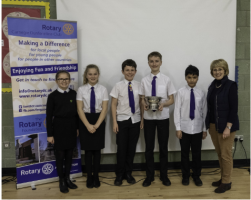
(93, 101)
(154, 86)
(192, 105)
(131, 98)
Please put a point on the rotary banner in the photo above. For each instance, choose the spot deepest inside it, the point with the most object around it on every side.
(38, 49)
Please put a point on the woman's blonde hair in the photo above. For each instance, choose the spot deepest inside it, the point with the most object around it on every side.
(91, 66)
(219, 63)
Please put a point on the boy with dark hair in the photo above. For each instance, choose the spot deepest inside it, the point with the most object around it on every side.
(156, 84)
(189, 118)
(126, 121)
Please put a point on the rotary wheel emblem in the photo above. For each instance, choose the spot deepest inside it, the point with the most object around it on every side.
(47, 168)
(68, 29)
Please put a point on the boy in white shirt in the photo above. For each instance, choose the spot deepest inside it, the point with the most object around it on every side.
(156, 84)
(126, 121)
(189, 118)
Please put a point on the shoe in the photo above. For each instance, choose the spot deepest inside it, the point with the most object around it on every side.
(147, 182)
(118, 181)
(223, 188)
(89, 182)
(165, 181)
(96, 182)
(185, 181)
(197, 181)
(216, 183)
(63, 187)
(129, 178)
(70, 184)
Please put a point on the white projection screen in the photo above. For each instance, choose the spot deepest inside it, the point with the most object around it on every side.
(185, 32)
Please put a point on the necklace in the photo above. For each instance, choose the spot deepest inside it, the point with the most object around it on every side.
(218, 86)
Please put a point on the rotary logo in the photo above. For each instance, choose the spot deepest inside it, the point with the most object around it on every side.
(47, 168)
(68, 29)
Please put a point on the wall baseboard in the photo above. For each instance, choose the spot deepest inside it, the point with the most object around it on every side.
(142, 166)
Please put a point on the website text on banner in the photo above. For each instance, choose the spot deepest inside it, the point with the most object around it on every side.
(38, 49)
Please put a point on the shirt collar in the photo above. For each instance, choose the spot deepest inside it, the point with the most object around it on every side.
(189, 88)
(62, 91)
(152, 75)
(127, 82)
(89, 86)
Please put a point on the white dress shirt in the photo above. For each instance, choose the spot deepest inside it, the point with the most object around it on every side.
(120, 92)
(84, 94)
(62, 91)
(182, 119)
(164, 88)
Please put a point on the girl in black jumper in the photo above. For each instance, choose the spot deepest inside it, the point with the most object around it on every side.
(92, 102)
(62, 131)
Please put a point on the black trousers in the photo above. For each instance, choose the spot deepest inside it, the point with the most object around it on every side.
(163, 135)
(126, 140)
(194, 141)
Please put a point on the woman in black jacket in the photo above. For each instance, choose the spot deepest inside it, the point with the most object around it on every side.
(222, 120)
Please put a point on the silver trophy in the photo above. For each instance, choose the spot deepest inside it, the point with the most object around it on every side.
(153, 102)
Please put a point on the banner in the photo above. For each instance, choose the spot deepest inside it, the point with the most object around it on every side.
(38, 49)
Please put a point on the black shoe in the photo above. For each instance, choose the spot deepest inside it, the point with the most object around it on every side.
(129, 178)
(96, 182)
(197, 181)
(147, 182)
(223, 188)
(185, 181)
(70, 184)
(89, 182)
(216, 183)
(62, 186)
(165, 181)
(118, 181)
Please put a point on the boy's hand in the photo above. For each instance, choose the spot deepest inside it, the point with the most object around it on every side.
(204, 135)
(96, 126)
(146, 107)
(77, 132)
(50, 140)
(115, 127)
(179, 134)
(142, 124)
(226, 133)
(160, 107)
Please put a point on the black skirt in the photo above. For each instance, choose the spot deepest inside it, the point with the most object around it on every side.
(92, 141)
(64, 133)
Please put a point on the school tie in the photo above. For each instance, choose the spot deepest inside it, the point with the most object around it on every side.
(131, 98)
(93, 100)
(192, 105)
(154, 86)
(65, 92)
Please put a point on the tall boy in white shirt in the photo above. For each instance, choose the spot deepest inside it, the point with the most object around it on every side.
(156, 84)
(126, 121)
(189, 118)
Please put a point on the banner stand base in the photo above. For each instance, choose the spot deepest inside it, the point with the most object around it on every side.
(48, 180)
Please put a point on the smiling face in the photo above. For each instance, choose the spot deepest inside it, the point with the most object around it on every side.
(154, 63)
(129, 72)
(192, 80)
(92, 76)
(218, 73)
(63, 81)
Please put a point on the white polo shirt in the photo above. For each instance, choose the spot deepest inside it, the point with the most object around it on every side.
(120, 92)
(84, 94)
(182, 119)
(62, 91)
(164, 88)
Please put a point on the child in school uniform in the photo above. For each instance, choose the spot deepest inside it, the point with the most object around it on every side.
(62, 127)
(126, 121)
(189, 118)
(92, 103)
(156, 84)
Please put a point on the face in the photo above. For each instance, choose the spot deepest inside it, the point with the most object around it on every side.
(192, 80)
(92, 76)
(129, 72)
(154, 62)
(218, 73)
(63, 81)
